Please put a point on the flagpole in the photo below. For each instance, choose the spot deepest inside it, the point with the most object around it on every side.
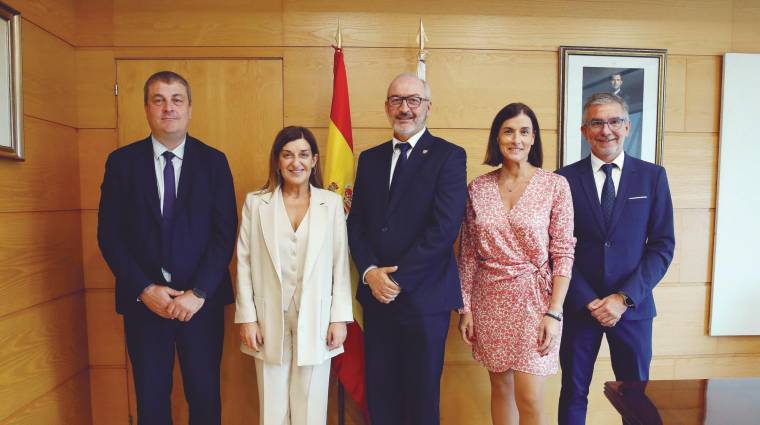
(421, 39)
(341, 390)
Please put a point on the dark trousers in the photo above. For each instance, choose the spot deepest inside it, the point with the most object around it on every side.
(404, 361)
(151, 343)
(630, 343)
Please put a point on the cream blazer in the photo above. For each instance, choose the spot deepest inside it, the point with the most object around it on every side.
(326, 290)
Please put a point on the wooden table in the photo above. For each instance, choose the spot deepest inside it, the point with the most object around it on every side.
(687, 402)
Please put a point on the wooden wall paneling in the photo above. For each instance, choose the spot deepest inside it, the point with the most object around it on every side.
(308, 84)
(696, 240)
(197, 23)
(108, 392)
(518, 24)
(49, 178)
(675, 93)
(738, 345)
(96, 76)
(470, 87)
(691, 160)
(49, 70)
(745, 35)
(465, 394)
(96, 271)
(95, 18)
(681, 322)
(459, 100)
(94, 147)
(105, 330)
(68, 403)
(39, 257)
(198, 52)
(43, 347)
(722, 366)
(703, 80)
(58, 17)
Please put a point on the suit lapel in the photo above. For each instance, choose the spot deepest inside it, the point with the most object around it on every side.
(384, 171)
(420, 152)
(317, 226)
(189, 168)
(592, 197)
(146, 176)
(627, 176)
(268, 212)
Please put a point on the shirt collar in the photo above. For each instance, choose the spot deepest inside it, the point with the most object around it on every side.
(159, 149)
(412, 140)
(596, 163)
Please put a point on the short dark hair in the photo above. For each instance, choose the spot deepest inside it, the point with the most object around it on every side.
(285, 136)
(494, 157)
(167, 77)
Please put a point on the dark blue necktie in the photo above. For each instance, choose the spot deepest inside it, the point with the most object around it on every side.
(404, 148)
(608, 193)
(168, 210)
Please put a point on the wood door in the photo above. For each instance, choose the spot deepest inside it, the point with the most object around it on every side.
(238, 109)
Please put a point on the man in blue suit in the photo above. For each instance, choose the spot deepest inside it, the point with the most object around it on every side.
(409, 198)
(624, 227)
(166, 228)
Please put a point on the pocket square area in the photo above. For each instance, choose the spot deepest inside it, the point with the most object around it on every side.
(638, 197)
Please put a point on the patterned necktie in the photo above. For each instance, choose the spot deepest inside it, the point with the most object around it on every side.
(608, 193)
(404, 148)
(168, 210)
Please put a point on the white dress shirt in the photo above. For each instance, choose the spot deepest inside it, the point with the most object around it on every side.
(397, 152)
(600, 176)
(159, 161)
(291, 245)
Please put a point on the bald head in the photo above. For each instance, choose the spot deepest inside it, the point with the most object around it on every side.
(407, 105)
(408, 76)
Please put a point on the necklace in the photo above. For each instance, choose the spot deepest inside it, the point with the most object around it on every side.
(517, 184)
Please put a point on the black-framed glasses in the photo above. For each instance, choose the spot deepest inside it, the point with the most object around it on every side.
(615, 123)
(413, 101)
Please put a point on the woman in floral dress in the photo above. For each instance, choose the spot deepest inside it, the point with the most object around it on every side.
(515, 262)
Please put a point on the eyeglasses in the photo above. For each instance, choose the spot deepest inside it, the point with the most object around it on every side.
(411, 101)
(615, 123)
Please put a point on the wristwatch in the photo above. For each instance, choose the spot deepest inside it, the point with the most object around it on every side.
(556, 315)
(200, 293)
(626, 299)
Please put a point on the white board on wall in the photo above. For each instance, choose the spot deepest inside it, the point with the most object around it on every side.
(735, 306)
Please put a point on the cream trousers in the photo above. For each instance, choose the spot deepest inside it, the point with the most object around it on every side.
(290, 394)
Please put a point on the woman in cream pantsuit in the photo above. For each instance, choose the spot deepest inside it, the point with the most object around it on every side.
(293, 283)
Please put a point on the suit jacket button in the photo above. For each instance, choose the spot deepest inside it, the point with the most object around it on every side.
(607, 244)
(384, 229)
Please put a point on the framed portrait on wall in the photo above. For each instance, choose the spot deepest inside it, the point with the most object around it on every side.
(11, 111)
(635, 75)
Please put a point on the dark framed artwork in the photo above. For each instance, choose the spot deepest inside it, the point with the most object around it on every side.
(11, 110)
(636, 75)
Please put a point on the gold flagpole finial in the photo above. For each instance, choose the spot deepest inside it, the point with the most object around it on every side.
(339, 36)
(421, 36)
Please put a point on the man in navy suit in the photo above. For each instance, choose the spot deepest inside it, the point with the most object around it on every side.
(408, 203)
(624, 227)
(166, 228)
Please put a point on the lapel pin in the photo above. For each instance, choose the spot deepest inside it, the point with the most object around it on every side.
(424, 151)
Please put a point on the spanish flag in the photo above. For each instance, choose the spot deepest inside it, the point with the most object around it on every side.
(339, 177)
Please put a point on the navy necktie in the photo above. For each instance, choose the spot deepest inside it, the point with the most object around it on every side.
(168, 210)
(404, 148)
(608, 193)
